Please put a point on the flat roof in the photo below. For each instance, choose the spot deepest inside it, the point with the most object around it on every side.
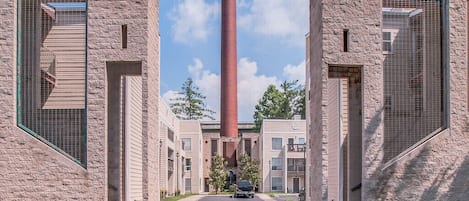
(68, 6)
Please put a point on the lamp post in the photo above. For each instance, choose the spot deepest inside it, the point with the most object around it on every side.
(177, 172)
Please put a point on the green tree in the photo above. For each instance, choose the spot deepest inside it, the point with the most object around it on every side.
(249, 169)
(218, 173)
(189, 104)
(280, 104)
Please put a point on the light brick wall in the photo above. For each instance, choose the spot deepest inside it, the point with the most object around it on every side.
(31, 170)
(438, 169)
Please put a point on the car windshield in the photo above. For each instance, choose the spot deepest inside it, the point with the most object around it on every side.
(244, 183)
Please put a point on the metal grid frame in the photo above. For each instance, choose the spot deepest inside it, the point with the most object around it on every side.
(62, 128)
(415, 85)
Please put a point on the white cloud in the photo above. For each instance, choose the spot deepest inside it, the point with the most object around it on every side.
(193, 20)
(170, 95)
(208, 83)
(284, 19)
(292, 72)
(251, 85)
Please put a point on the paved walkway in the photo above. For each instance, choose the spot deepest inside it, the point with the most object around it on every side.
(259, 196)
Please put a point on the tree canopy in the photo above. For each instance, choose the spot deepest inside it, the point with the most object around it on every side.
(218, 173)
(281, 103)
(249, 169)
(189, 104)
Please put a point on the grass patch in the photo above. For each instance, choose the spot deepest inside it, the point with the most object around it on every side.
(274, 194)
(179, 197)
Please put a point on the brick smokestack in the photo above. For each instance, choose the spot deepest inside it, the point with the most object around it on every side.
(229, 88)
(229, 81)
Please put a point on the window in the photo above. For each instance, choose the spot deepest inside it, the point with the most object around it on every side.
(214, 146)
(387, 102)
(247, 146)
(277, 184)
(124, 36)
(301, 140)
(186, 144)
(188, 185)
(388, 39)
(188, 164)
(170, 135)
(291, 141)
(276, 163)
(346, 40)
(276, 143)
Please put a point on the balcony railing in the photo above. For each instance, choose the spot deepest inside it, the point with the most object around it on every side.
(296, 168)
(296, 147)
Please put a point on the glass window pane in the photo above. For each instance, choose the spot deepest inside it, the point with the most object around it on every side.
(276, 143)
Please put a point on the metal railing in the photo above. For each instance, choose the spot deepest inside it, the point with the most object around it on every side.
(296, 147)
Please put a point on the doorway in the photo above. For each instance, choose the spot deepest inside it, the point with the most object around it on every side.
(296, 185)
(206, 185)
(344, 113)
(120, 133)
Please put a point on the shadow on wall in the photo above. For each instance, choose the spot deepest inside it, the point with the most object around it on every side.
(459, 188)
(406, 181)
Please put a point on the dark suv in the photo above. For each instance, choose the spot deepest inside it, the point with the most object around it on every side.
(244, 188)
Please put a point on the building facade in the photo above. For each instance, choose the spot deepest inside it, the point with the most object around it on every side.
(388, 100)
(214, 144)
(282, 158)
(191, 135)
(172, 155)
(80, 80)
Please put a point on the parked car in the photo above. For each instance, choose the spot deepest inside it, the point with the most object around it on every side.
(244, 188)
(301, 195)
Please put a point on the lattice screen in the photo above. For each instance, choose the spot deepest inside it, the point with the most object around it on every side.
(51, 73)
(413, 73)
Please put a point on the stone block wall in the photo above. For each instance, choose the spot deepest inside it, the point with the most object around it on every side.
(30, 169)
(436, 170)
(439, 169)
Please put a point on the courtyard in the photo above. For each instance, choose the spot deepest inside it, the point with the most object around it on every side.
(258, 197)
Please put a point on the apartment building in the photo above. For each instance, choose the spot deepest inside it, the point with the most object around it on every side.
(172, 153)
(191, 140)
(213, 144)
(282, 155)
(79, 95)
(388, 94)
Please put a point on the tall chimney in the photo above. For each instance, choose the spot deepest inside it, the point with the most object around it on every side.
(229, 89)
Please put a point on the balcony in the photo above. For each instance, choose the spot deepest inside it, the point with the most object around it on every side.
(296, 147)
(296, 166)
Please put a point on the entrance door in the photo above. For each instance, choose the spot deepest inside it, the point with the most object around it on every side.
(206, 185)
(296, 185)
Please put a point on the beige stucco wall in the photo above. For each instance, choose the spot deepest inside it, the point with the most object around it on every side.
(191, 129)
(283, 129)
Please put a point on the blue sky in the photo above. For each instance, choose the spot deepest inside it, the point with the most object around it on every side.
(271, 47)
